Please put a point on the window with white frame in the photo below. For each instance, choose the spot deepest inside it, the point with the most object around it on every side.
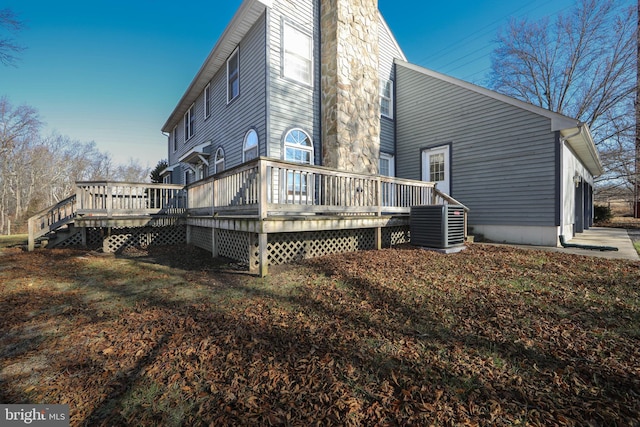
(207, 101)
(386, 98)
(189, 123)
(298, 148)
(219, 160)
(297, 54)
(233, 76)
(174, 137)
(250, 148)
(386, 164)
(387, 169)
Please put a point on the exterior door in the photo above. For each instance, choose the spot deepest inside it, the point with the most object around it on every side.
(436, 167)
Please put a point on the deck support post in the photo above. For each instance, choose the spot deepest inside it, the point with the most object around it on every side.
(378, 237)
(83, 235)
(188, 234)
(263, 254)
(214, 244)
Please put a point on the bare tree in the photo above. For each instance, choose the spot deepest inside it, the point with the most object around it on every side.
(9, 49)
(582, 65)
(19, 128)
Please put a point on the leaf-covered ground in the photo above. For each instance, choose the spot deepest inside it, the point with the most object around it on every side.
(490, 336)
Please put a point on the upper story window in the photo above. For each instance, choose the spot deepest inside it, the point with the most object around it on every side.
(297, 54)
(298, 147)
(386, 98)
(233, 76)
(207, 101)
(189, 123)
(219, 160)
(250, 149)
(174, 137)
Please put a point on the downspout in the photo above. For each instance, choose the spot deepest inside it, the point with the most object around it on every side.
(564, 139)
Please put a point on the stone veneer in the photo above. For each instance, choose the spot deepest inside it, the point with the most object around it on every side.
(350, 85)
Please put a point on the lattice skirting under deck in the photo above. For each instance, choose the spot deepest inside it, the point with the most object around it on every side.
(122, 238)
(284, 248)
(94, 239)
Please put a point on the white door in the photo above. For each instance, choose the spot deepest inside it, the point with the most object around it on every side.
(436, 167)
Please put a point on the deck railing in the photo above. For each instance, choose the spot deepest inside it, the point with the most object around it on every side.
(260, 188)
(129, 198)
(51, 218)
(267, 187)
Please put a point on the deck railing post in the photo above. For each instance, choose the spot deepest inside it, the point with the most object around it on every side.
(31, 245)
(109, 199)
(262, 191)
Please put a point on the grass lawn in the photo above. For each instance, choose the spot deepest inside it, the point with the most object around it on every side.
(490, 336)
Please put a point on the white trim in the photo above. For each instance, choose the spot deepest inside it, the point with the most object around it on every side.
(189, 123)
(390, 158)
(310, 148)
(244, 145)
(217, 160)
(235, 53)
(207, 101)
(286, 24)
(385, 83)
(174, 137)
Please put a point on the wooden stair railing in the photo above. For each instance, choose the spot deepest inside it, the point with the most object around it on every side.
(50, 219)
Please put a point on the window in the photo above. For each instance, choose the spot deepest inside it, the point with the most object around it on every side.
(298, 148)
(189, 123)
(386, 165)
(297, 52)
(250, 149)
(207, 101)
(174, 136)
(386, 98)
(436, 167)
(387, 188)
(219, 160)
(233, 76)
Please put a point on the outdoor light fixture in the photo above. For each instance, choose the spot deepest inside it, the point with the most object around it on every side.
(577, 179)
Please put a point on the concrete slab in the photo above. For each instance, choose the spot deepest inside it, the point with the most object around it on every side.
(597, 236)
(604, 236)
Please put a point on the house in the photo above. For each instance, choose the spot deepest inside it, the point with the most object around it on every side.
(306, 132)
(272, 83)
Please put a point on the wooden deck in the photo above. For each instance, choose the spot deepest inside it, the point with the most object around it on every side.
(263, 196)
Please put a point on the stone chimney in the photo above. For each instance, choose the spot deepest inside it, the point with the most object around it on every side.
(350, 85)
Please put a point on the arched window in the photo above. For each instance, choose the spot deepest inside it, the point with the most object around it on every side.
(298, 147)
(250, 149)
(219, 160)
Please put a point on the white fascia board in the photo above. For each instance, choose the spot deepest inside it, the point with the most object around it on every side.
(246, 15)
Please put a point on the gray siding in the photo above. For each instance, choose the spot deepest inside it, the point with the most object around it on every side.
(503, 164)
(388, 51)
(292, 104)
(228, 123)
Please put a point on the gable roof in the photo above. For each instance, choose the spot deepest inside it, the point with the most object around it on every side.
(575, 133)
(246, 15)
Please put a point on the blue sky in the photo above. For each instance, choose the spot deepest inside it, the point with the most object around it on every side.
(112, 71)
